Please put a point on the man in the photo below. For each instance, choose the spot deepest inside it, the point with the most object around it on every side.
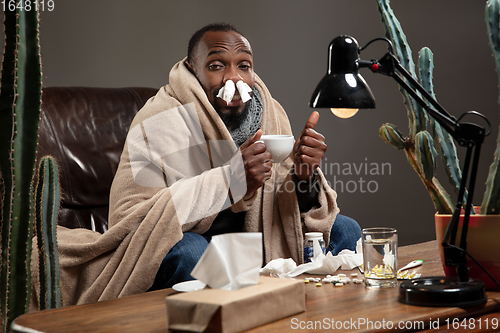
(218, 53)
(191, 168)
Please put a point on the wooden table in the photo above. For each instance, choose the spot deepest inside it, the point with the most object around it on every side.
(352, 307)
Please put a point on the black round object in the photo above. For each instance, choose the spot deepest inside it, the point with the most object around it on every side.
(442, 291)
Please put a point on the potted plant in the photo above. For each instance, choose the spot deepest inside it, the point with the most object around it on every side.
(25, 210)
(422, 148)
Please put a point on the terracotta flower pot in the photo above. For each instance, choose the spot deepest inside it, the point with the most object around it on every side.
(483, 244)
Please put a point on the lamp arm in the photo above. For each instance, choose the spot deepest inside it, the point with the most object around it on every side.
(389, 65)
(467, 135)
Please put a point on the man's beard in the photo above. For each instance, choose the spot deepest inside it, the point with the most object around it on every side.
(233, 121)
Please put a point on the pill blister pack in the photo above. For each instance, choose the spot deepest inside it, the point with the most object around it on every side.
(407, 275)
(342, 279)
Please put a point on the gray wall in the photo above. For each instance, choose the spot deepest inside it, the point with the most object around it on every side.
(111, 43)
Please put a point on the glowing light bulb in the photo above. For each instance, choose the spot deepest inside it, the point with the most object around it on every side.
(344, 113)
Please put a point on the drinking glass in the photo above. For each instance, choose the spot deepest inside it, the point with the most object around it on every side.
(380, 257)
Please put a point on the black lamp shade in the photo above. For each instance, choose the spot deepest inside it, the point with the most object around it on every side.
(342, 87)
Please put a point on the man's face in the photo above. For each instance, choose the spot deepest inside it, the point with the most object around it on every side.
(222, 56)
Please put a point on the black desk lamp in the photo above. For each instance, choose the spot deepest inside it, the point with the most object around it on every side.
(343, 88)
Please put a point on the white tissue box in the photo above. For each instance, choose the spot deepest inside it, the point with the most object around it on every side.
(226, 311)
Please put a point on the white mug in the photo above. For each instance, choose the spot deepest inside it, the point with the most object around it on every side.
(280, 146)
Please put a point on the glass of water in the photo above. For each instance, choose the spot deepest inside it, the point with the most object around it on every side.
(380, 257)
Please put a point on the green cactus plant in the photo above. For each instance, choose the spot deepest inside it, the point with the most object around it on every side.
(419, 145)
(20, 99)
(491, 198)
(425, 154)
(47, 200)
(446, 147)
(391, 134)
(419, 153)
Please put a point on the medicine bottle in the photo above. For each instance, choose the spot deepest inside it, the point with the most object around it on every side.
(309, 245)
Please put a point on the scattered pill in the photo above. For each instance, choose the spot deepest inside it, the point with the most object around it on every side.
(345, 280)
(340, 284)
(306, 280)
(342, 275)
(318, 284)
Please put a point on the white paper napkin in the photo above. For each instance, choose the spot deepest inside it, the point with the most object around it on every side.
(279, 268)
(321, 264)
(231, 261)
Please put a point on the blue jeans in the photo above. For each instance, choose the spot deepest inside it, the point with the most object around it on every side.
(344, 235)
(180, 261)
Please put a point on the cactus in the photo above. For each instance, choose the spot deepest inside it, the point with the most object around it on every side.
(47, 201)
(447, 149)
(425, 154)
(446, 146)
(391, 134)
(416, 114)
(419, 145)
(491, 198)
(20, 99)
(420, 158)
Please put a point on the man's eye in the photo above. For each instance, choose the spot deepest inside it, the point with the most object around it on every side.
(214, 67)
(245, 67)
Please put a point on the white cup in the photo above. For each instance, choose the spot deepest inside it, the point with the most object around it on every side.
(280, 146)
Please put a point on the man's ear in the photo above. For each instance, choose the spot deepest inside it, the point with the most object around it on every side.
(188, 65)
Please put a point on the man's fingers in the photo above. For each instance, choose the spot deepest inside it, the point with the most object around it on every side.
(310, 124)
(309, 149)
(313, 120)
(313, 152)
(251, 139)
(310, 136)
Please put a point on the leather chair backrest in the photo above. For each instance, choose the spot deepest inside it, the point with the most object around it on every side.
(85, 129)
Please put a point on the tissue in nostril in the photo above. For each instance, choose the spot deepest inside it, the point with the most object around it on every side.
(244, 90)
(227, 92)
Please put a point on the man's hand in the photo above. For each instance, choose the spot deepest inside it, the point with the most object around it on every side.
(257, 161)
(309, 149)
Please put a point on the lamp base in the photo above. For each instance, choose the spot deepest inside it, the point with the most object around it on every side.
(442, 291)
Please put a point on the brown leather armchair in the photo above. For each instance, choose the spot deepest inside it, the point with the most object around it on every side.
(85, 128)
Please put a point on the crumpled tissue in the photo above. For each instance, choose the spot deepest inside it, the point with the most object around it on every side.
(231, 261)
(321, 264)
(244, 90)
(279, 268)
(226, 93)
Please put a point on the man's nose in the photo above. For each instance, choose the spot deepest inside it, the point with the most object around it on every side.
(232, 74)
